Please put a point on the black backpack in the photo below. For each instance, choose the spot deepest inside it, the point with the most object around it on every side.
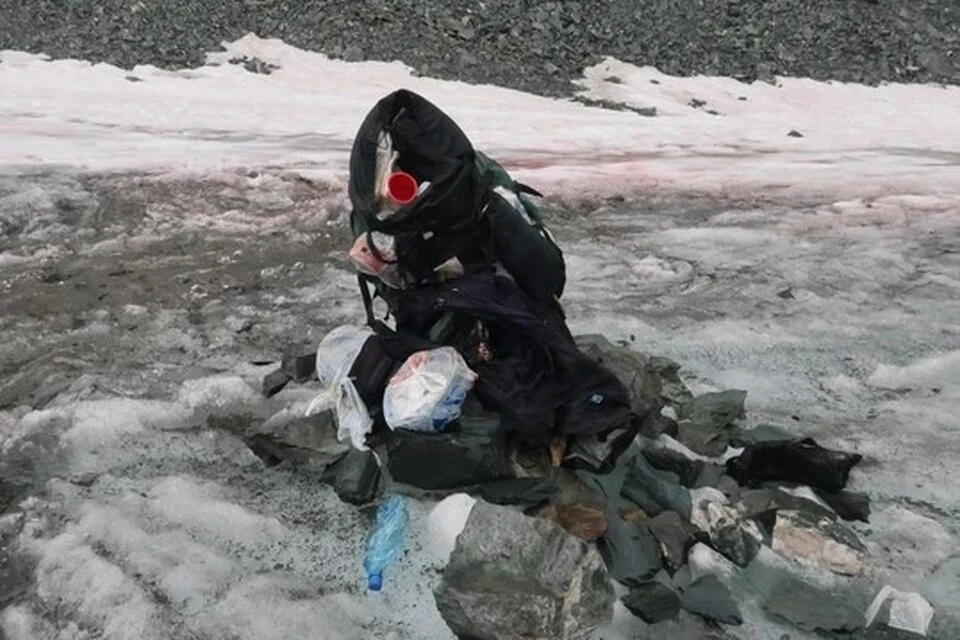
(460, 215)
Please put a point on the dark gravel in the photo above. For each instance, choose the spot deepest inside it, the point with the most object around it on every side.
(529, 45)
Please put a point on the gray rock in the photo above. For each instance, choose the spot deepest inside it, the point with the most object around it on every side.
(631, 368)
(656, 424)
(762, 433)
(735, 538)
(705, 421)
(301, 368)
(710, 599)
(666, 459)
(676, 535)
(355, 477)
(652, 602)
(814, 609)
(301, 440)
(672, 388)
(849, 505)
(630, 551)
(274, 382)
(513, 577)
(655, 491)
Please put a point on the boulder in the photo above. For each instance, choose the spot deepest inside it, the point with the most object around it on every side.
(515, 577)
(301, 440)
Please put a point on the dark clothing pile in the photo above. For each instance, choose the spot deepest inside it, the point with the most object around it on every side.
(503, 314)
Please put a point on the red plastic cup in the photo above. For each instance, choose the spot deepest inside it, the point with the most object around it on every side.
(402, 187)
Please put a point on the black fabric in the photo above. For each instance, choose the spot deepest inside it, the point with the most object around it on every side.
(503, 315)
(526, 492)
(803, 462)
(458, 215)
(536, 264)
(537, 378)
(432, 147)
(372, 368)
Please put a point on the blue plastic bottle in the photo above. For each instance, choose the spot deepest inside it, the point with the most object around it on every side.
(386, 540)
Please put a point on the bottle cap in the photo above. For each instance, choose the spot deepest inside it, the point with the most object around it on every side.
(402, 187)
(375, 581)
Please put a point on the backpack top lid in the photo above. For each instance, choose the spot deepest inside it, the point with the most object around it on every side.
(432, 148)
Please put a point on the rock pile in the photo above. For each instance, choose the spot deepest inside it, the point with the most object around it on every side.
(539, 550)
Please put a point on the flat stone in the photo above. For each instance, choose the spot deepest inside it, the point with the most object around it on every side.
(818, 542)
(653, 490)
(526, 492)
(301, 368)
(301, 440)
(666, 459)
(630, 551)
(515, 577)
(814, 609)
(849, 505)
(631, 368)
(704, 422)
(710, 599)
(274, 382)
(676, 536)
(672, 388)
(762, 433)
(355, 477)
(652, 602)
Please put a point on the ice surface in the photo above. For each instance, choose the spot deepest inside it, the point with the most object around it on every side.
(305, 114)
(819, 273)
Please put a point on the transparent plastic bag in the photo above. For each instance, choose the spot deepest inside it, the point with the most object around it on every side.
(335, 356)
(426, 393)
(367, 261)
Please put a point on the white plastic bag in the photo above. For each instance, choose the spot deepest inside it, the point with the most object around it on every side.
(426, 393)
(335, 356)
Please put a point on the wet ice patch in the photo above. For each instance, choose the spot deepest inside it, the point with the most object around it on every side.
(934, 371)
(217, 394)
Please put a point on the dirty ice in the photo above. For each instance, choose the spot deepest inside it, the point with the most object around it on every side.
(142, 525)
